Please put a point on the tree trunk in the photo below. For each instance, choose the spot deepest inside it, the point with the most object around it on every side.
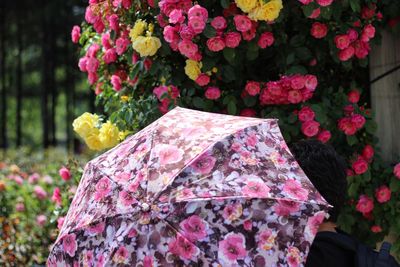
(69, 89)
(3, 127)
(52, 82)
(19, 79)
(45, 77)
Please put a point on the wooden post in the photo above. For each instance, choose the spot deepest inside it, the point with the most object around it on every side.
(3, 128)
(18, 118)
(385, 94)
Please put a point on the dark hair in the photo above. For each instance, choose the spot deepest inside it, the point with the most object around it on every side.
(325, 169)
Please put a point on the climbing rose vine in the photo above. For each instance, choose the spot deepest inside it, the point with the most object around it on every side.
(301, 61)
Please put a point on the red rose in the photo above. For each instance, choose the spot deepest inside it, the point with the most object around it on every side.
(396, 170)
(294, 96)
(353, 96)
(266, 39)
(342, 41)
(216, 44)
(310, 128)
(203, 79)
(306, 114)
(324, 136)
(319, 30)
(368, 152)
(346, 53)
(213, 93)
(383, 194)
(248, 112)
(232, 39)
(360, 166)
(252, 88)
(347, 126)
(376, 229)
(358, 120)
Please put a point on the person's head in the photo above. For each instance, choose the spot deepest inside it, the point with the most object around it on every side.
(325, 169)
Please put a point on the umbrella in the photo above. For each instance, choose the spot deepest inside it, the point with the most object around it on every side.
(193, 189)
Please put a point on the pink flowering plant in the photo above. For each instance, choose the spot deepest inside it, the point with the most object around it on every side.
(301, 61)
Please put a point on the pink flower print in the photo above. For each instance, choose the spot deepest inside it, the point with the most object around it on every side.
(232, 248)
(286, 207)
(100, 261)
(88, 258)
(236, 147)
(123, 177)
(97, 228)
(313, 224)
(132, 233)
(247, 225)
(69, 244)
(103, 187)
(204, 164)
(148, 261)
(232, 212)
(255, 189)
(121, 255)
(293, 257)
(133, 186)
(185, 194)
(266, 239)
(194, 228)
(294, 189)
(126, 198)
(182, 248)
(251, 140)
(168, 154)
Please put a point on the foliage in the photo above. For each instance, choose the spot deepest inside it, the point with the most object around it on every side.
(142, 55)
(29, 211)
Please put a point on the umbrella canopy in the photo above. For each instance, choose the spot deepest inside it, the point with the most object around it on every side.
(193, 189)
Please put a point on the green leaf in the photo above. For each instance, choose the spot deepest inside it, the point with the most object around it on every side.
(355, 5)
(351, 140)
(290, 58)
(326, 12)
(198, 102)
(371, 126)
(296, 69)
(135, 71)
(308, 9)
(208, 63)
(292, 118)
(367, 176)
(394, 184)
(232, 108)
(353, 188)
(303, 53)
(229, 55)
(225, 3)
(250, 101)
(228, 74)
(251, 54)
(209, 31)
(297, 40)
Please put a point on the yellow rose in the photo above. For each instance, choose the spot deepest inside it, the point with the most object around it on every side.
(93, 140)
(122, 135)
(268, 12)
(246, 5)
(109, 135)
(85, 124)
(146, 46)
(192, 69)
(138, 29)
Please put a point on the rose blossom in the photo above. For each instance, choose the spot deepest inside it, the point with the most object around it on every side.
(92, 77)
(197, 24)
(39, 192)
(113, 22)
(297, 82)
(242, 23)
(219, 23)
(383, 194)
(358, 120)
(347, 126)
(116, 82)
(248, 112)
(368, 33)
(203, 79)
(204, 164)
(106, 41)
(361, 49)
(319, 30)
(182, 247)
(198, 11)
(324, 136)
(311, 82)
(294, 96)
(396, 170)
(176, 16)
(216, 44)
(315, 14)
(310, 128)
(56, 198)
(353, 96)
(346, 53)
(376, 229)
(232, 39)
(41, 220)
(60, 222)
(75, 34)
(360, 166)
(121, 45)
(212, 93)
(342, 41)
(82, 64)
(253, 88)
(255, 189)
(306, 114)
(194, 228)
(20, 207)
(365, 204)
(352, 34)
(368, 152)
(324, 2)
(368, 13)
(295, 190)
(92, 64)
(266, 39)
(188, 48)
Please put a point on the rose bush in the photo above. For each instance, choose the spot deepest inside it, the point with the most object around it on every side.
(301, 61)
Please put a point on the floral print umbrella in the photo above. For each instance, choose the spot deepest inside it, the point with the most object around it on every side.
(193, 189)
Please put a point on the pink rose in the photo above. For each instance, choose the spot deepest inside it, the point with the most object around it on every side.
(168, 154)
(352, 34)
(253, 88)
(82, 64)
(126, 4)
(176, 16)
(103, 187)
(315, 14)
(216, 44)
(310, 128)
(383, 194)
(324, 2)
(358, 120)
(365, 204)
(19, 207)
(106, 41)
(248, 112)
(92, 77)
(368, 152)
(368, 33)
(242, 23)
(353, 96)
(266, 39)
(250, 34)
(319, 30)
(368, 13)
(219, 23)
(148, 261)
(396, 170)
(306, 114)
(297, 82)
(232, 248)
(188, 48)
(232, 39)
(360, 166)
(294, 96)
(99, 26)
(346, 53)
(56, 198)
(311, 82)
(194, 228)
(342, 41)
(60, 222)
(92, 64)
(203, 79)
(376, 229)
(116, 82)
(212, 93)
(39, 192)
(170, 34)
(197, 24)
(121, 45)
(75, 34)
(348, 110)
(198, 11)
(186, 32)
(41, 220)
(361, 49)
(347, 126)
(305, 2)
(113, 21)
(69, 244)
(110, 56)
(324, 136)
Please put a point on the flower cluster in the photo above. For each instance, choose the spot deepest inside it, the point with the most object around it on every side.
(288, 90)
(97, 135)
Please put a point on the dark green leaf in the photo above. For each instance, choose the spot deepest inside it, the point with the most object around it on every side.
(251, 54)
(229, 55)
(232, 108)
(250, 101)
(296, 69)
(198, 102)
(355, 5)
(371, 126)
(209, 31)
(297, 40)
(228, 74)
(225, 3)
(351, 140)
(290, 58)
